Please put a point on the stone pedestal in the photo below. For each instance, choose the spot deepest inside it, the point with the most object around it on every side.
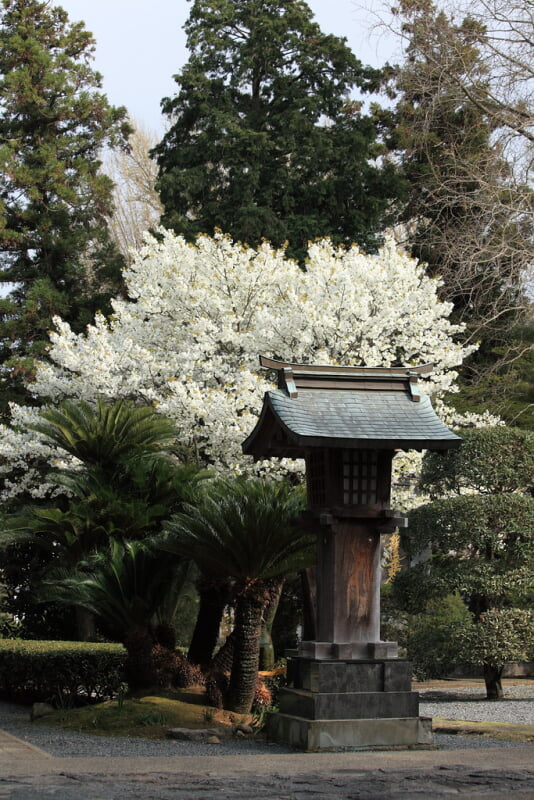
(352, 703)
(348, 651)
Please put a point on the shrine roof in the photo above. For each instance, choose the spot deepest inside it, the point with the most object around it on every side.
(354, 407)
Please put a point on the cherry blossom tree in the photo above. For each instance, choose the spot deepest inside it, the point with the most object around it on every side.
(187, 339)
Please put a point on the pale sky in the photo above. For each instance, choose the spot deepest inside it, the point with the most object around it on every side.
(141, 44)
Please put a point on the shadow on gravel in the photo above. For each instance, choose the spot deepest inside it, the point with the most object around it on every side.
(458, 697)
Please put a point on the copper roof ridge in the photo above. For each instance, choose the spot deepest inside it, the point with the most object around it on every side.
(323, 370)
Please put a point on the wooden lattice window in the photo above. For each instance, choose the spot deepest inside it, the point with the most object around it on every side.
(360, 469)
(316, 478)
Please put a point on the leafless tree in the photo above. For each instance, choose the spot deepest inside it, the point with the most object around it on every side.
(462, 124)
(137, 207)
(463, 128)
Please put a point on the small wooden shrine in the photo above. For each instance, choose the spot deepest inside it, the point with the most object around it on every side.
(349, 687)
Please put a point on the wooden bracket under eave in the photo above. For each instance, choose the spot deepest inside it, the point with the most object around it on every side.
(414, 388)
(289, 380)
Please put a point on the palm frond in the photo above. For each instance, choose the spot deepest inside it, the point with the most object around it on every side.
(105, 433)
(128, 585)
(245, 529)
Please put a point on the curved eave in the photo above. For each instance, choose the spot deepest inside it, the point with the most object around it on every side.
(274, 436)
(256, 443)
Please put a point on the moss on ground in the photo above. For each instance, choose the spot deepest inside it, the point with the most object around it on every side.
(147, 716)
(505, 731)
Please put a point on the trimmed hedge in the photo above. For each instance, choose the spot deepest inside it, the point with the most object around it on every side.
(60, 673)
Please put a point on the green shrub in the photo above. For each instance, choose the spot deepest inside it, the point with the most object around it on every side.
(430, 637)
(426, 638)
(481, 643)
(60, 673)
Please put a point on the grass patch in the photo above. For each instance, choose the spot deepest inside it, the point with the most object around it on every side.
(503, 731)
(146, 716)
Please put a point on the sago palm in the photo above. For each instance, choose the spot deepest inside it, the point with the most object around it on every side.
(125, 487)
(127, 484)
(130, 585)
(134, 589)
(244, 530)
(108, 433)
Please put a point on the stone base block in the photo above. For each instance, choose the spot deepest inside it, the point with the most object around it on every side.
(346, 651)
(350, 676)
(313, 735)
(348, 705)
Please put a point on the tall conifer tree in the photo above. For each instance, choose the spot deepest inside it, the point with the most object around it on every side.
(55, 253)
(265, 141)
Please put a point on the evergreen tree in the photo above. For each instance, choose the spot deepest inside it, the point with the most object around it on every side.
(56, 256)
(244, 531)
(503, 385)
(477, 535)
(125, 485)
(264, 141)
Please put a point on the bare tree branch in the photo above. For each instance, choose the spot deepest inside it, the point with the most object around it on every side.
(137, 207)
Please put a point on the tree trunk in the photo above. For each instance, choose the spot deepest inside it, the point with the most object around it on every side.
(267, 659)
(139, 667)
(267, 656)
(213, 599)
(309, 603)
(492, 678)
(247, 629)
(85, 625)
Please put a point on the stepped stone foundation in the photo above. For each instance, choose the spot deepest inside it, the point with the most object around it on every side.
(357, 703)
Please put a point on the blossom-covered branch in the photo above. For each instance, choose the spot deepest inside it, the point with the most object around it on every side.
(187, 340)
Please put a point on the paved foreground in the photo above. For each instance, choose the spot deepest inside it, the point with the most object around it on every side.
(27, 773)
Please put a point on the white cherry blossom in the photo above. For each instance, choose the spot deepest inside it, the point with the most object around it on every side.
(197, 316)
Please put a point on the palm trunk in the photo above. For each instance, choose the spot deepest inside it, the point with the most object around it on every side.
(247, 629)
(267, 655)
(139, 666)
(309, 603)
(224, 658)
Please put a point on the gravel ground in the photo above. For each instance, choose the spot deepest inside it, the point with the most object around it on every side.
(463, 704)
(15, 720)
(470, 703)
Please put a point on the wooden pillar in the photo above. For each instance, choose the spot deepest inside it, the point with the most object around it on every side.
(348, 585)
(348, 494)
